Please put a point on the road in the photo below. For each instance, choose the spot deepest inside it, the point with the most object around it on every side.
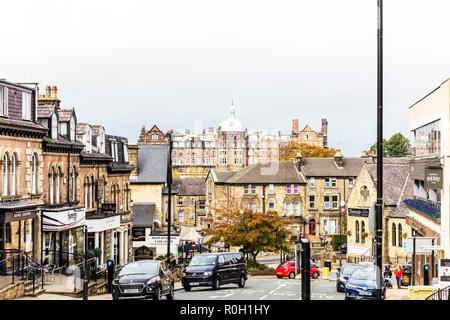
(264, 289)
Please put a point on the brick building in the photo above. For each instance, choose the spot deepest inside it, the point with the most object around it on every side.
(22, 171)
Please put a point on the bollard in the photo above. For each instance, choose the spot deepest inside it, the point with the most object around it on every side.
(326, 273)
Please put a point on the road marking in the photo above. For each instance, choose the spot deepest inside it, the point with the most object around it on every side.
(225, 296)
(262, 298)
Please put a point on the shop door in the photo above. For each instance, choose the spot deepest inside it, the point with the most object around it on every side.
(64, 245)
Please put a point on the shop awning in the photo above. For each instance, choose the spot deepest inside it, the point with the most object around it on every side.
(143, 213)
(63, 220)
(103, 224)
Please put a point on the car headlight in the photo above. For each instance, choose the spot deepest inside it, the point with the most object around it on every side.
(183, 274)
(151, 281)
(115, 282)
(351, 286)
(207, 273)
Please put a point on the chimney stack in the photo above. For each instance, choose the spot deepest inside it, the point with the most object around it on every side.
(54, 92)
(299, 161)
(295, 125)
(324, 126)
(339, 159)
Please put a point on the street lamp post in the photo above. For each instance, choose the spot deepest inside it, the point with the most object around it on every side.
(169, 185)
(340, 231)
(379, 205)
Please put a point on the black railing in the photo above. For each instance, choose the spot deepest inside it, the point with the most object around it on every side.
(441, 294)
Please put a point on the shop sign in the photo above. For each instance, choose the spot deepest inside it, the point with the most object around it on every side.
(423, 245)
(433, 178)
(108, 207)
(444, 272)
(356, 212)
(163, 239)
(63, 220)
(143, 253)
(100, 225)
(358, 250)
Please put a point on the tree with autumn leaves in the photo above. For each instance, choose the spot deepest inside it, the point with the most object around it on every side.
(289, 151)
(255, 232)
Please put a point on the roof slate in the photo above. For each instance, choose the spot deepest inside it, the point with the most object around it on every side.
(190, 187)
(45, 111)
(326, 167)
(152, 164)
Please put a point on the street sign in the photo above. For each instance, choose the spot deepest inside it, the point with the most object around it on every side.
(422, 245)
(372, 221)
(444, 272)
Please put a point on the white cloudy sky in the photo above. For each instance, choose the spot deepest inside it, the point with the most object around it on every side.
(125, 64)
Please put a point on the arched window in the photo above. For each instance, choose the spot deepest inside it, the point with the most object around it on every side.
(118, 198)
(33, 174)
(394, 235)
(51, 184)
(357, 231)
(363, 229)
(91, 192)
(86, 193)
(399, 235)
(74, 185)
(13, 175)
(58, 185)
(5, 174)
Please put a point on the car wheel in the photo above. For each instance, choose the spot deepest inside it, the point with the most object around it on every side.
(315, 275)
(291, 275)
(187, 288)
(216, 285)
(171, 294)
(279, 277)
(241, 282)
(157, 295)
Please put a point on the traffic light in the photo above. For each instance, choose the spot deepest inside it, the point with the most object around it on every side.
(426, 274)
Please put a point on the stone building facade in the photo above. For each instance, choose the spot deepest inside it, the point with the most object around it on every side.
(397, 187)
(22, 171)
(190, 202)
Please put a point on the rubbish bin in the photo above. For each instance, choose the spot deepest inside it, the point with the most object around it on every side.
(406, 278)
(327, 264)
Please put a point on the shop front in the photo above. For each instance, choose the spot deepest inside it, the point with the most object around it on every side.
(100, 228)
(17, 231)
(63, 236)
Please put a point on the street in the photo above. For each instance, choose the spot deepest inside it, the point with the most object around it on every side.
(266, 288)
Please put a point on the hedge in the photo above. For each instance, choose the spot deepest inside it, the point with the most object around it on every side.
(337, 240)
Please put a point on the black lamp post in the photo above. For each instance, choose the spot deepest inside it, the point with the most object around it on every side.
(379, 205)
(169, 185)
(342, 205)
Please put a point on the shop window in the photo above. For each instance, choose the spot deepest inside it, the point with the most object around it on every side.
(357, 231)
(363, 229)
(8, 232)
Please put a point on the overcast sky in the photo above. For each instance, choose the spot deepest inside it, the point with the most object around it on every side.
(124, 64)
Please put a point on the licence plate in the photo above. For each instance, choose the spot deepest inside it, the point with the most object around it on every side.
(364, 293)
(279, 272)
(131, 290)
(194, 283)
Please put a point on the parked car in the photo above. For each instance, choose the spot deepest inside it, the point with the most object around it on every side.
(345, 270)
(215, 269)
(287, 269)
(367, 264)
(343, 248)
(362, 284)
(144, 279)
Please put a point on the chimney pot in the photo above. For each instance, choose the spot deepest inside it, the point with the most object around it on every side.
(48, 91)
(54, 92)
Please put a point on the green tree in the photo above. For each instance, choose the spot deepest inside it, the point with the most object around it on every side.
(373, 148)
(398, 146)
(254, 231)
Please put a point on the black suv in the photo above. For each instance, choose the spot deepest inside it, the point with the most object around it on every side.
(144, 279)
(215, 269)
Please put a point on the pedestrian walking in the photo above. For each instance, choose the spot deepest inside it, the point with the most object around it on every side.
(398, 272)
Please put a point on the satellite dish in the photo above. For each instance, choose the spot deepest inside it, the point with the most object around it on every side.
(372, 214)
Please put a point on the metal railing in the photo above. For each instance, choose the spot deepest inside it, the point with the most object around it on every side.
(441, 294)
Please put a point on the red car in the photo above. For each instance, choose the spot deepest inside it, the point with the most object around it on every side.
(287, 269)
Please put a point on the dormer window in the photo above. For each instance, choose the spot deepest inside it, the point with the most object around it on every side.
(3, 101)
(72, 129)
(54, 127)
(125, 152)
(26, 106)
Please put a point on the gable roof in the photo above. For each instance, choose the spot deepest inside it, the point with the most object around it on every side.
(190, 187)
(397, 184)
(282, 172)
(326, 167)
(45, 111)
(307, 128)
(65, 114)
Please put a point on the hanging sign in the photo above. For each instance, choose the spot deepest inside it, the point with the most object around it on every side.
(433, 178)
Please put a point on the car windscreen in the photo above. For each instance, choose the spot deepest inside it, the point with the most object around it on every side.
(206, 260)
(284, 264)
(363, 275)
(348, 270)
(139, 268)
